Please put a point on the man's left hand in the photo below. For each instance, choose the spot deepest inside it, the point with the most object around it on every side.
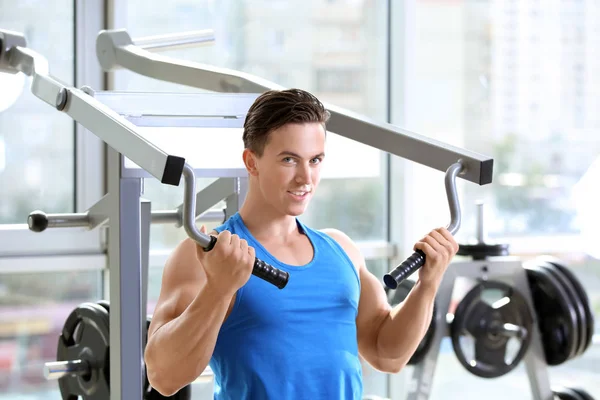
(439, 247)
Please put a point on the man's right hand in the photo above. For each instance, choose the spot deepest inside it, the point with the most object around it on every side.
(229, 264)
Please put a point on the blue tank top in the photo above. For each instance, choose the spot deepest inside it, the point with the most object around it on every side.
(298, 342)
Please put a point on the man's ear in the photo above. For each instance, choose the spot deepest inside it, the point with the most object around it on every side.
(250, 161)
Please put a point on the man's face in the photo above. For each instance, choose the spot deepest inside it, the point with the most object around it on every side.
(288, 172)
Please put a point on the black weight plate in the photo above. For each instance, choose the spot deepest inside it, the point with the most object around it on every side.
(481, 251)
(584, 395)
(104, 304)
(565, 393)
(400, 294)
(556, 321)
(583, 296)
(86, 336)
(491, 326)
(573, 300)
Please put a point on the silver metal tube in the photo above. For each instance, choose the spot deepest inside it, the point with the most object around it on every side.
(512, 330)
(39, 221)
(165, 217)
(112, 128)
(450, 181)
(68, 220)
(115, 49)
(481, 235)
(173, 217)
(58, 369)
(189, 207)
(176, 40)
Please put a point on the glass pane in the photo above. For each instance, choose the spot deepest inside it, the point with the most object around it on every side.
(335, 50)
(33, 309)
(517, 81)
(36, 141)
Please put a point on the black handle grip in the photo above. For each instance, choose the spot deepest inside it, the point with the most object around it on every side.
(37, 221)
(270, 274)
(261, 269)
(404, 270)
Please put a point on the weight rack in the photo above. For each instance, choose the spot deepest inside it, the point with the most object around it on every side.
(505, 269)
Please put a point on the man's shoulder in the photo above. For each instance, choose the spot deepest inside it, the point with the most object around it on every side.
(346, 243)
(338, 235)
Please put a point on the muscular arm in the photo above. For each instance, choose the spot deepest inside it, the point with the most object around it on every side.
(387, 337)
(185, 323)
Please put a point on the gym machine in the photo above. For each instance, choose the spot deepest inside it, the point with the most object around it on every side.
(133, 157)
(539, 305)
(525, 288)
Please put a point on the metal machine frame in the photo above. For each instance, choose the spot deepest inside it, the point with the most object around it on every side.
(129, 216)
(505, 269)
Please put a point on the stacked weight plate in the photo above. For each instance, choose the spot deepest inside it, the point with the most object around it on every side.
(83, 349)
(565, 318)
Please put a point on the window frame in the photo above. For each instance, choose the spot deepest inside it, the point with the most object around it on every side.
(17, 239)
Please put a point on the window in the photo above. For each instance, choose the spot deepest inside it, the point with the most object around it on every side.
(338, 80)
(262, 39)
(41, 280)
(36, 141)
(542, 200)
(240, 30)
(33, 309)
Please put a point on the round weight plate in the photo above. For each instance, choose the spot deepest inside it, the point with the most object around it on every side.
(481, 251)
(104, 304)
(574, 301)
(492, 313)
(584, 395)
(565, 393)
(85, 335)
(400, 294)
(583, 297)
(556, 318)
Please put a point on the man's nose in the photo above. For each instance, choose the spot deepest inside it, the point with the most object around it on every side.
(303, 174)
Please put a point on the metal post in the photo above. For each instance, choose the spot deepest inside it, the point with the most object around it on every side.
(125, 271)
(234, 201)
(146, 221)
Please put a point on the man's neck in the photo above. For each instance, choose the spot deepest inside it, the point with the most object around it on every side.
(265, 223)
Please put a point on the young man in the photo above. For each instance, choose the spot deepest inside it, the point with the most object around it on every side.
(303, 341)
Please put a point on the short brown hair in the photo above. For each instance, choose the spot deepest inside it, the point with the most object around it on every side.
(275, 108)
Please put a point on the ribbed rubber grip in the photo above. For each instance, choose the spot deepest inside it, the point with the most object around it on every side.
(270, 274)
(404, 270)
(261, 269)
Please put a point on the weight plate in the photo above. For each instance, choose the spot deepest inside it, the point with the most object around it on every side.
(104, 304)
(565, 393)
(574, 301)
(584, 395)
(583, 297)
(85, 336)
(481, 251)
(400, 294)
(556, 319)
(492, 313)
